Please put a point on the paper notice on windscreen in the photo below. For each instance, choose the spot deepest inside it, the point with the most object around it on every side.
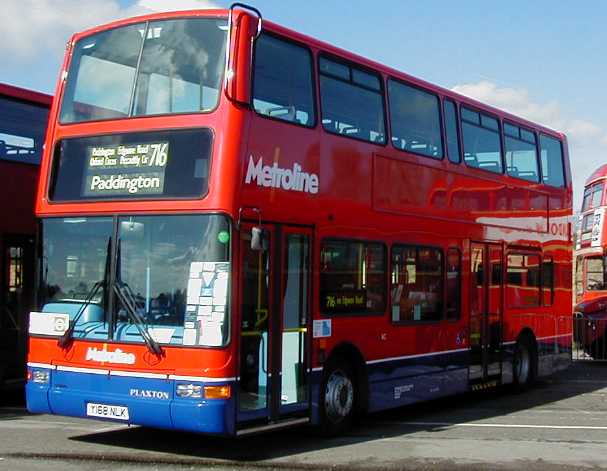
(210, 333)
(205, 310)
(161, 335)
(194, 287)
(220, 290)
(189, 336)
(195, 269)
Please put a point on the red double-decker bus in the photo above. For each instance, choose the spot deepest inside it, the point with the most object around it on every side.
(23, 118)
(590, 279)
(592, 239)
(244, 228)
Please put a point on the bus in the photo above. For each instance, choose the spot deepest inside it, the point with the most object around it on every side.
(23, 118)
(244, 228)
(590, 287)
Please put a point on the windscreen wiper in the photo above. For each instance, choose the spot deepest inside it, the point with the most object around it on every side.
(127, 299)
(66, 339)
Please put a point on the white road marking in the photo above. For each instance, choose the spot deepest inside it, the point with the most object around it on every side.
(485, 425)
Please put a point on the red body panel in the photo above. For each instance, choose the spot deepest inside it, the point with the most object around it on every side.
(366, 191)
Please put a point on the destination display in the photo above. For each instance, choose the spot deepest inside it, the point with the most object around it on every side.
(344, 301)
(125, 170)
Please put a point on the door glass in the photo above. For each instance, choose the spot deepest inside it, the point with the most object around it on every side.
(14, 288)
(477, 298)
(294, 318)
(254, 326)
(477, 309)
(494, 316)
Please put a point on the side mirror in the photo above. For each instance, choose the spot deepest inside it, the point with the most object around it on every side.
(243, 30)
(259, 239)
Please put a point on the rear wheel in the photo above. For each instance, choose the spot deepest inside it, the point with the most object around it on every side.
(524, 365)
(338, 398)
(597, 348)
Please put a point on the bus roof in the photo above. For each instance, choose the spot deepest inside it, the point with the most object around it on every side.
(347, 55)
(25, 94)
(599, 174)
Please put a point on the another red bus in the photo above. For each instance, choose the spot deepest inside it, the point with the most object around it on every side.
(23, 119)
(590, 279)
(285, 233)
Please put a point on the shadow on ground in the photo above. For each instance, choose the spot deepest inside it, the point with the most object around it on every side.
(580, 378)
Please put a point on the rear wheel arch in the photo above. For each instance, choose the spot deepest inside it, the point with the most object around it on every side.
(350, 354)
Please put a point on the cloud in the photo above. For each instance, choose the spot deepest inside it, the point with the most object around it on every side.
(40, 27)
(518, 102)
(587, 140)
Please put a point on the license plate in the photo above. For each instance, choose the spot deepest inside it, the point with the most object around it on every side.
(107, 411)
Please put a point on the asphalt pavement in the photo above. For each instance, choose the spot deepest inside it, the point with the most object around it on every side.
(559, 424)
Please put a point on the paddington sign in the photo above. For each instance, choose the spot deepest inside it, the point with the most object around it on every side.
(129, 170)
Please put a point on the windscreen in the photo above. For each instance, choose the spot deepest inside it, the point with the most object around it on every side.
(160, 67)
(173, 269)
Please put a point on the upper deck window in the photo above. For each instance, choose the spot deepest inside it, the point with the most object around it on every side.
(481, 137)
(551, 153)
(593, 196)
(415, 120)
(161, 67)
(22, 127)
(352, 102)
(521, 153)
(282, 84)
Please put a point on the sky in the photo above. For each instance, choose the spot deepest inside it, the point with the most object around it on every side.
(541, 60)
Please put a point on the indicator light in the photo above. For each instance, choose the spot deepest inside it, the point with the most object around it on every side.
(217, 392)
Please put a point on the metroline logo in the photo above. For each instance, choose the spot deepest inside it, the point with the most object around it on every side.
(105, 356)
(285, 178)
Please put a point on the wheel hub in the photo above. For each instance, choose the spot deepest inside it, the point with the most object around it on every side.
(339, 396)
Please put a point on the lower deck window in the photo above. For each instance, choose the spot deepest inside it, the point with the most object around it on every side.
(523, 289)
(352, 277)
(417, 284)
(595, 274)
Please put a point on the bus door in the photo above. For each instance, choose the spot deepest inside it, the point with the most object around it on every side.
(16, 300)
(274, 328)
(486, 322)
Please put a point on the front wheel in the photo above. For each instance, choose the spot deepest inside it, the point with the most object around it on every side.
(525, 363)
(338, 398)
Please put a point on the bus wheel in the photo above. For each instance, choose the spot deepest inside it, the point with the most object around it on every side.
(338, 398)
(524, 365)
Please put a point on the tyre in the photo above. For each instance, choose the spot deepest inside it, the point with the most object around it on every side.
(524, 365)
(338, 398)
(597, 348)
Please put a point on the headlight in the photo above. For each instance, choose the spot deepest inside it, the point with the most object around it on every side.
(40, 376)
(193, 391)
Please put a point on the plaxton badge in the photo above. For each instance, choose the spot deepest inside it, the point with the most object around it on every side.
(273, 176)
(149, 394)
(106, 356)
